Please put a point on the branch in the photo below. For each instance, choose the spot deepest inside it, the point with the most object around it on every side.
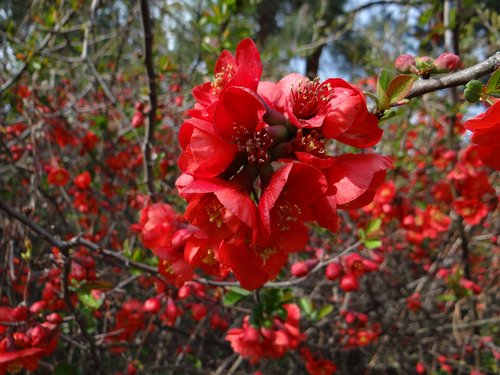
(64, 246)
(455, 79)
(153, 98)
(76, 241)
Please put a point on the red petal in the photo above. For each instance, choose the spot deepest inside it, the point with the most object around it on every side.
(356, 175)
(238, 109)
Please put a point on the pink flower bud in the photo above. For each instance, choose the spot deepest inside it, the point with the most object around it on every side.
(446, 62)
(349, 283)
(138, 119)
(299, 269)
(420, 368)
(152, 305)
(333, 271)
(404, 63)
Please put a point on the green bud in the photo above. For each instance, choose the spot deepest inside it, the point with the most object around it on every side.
(475, 85)
(471, 96)
(267, 324)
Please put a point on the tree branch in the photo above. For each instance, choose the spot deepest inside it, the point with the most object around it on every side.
(455, 79)
(153, 98)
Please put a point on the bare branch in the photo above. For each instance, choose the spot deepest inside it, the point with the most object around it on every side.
(153, 98)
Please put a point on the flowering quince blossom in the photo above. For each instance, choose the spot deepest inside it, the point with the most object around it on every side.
(256, 167)
(274, 342)
(486, 135)
(58, 176)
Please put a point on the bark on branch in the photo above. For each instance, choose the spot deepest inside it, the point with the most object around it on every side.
(455, 79)
(153, 97)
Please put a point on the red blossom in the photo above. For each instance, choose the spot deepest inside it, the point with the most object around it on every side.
(486, 135)
(58, 177)
(243, 70)
(82, 181)
(157, 225)
(257, 343)
(14, 361)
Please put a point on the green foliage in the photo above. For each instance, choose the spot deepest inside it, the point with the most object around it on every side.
(269, 305)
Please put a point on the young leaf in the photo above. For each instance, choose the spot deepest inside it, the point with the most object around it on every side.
(384, 78)
(305, 305)
(399, 87)
(234, 295)
(372, 244)
(325, 311)
(373, 226)
(493, 83)
(88, 300)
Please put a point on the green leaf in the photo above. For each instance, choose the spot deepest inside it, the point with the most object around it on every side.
(373, 226)
(88, 300)
(493, 84)
(325, 311)
(372, 244)
(399, 87)
(305, 305)
(388, 115)
(361, 234)
(234, 295)
(384, 78)
(446, 298)
(66, 369)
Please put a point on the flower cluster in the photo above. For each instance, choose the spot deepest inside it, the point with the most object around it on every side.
(22, 346)
(256, 164)
(273, 342)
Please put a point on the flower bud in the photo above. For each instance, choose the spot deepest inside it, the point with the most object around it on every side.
(404, 63)
(152, 305)
(333, 271)
(349, 283)
(299, 269)
(138, 119)
(446, 62)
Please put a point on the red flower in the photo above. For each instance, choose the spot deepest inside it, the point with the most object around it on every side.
(245, 341)
(296, 193)
(13, 362)
(82, 181)
(252, 264)
(256, 343)
(320, 366)
(356, 178)
(202, 251)
(58, 177)
(238, 119)
(337, 108)
(157, 225)
(472, 210)
(220, 208)
(486, 129)
(243, 70)
(204, 154)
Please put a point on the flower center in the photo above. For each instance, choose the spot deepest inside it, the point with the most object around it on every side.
(286, 214)
(222, 78)
(265, 254)
(254, 144)
(214, 211)
(209, 258)
(167, 266)
(310, 98)
(310, 141)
